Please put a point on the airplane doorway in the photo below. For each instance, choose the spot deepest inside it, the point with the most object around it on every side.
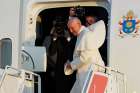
(60, 50)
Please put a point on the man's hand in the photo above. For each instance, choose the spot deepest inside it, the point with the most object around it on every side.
(68, 69)
(68, 66)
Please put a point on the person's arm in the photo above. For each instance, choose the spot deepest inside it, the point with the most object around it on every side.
(88, 51)
(85, 56)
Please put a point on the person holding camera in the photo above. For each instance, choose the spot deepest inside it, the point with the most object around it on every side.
(72, 13)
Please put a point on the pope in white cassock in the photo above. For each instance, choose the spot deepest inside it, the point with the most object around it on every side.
(86, 51)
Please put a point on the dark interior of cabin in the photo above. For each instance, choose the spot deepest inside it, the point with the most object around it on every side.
(54, 80)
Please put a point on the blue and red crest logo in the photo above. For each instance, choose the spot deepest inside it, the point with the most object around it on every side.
(129, 25)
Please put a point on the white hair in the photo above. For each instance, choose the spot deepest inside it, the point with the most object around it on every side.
(74, 19)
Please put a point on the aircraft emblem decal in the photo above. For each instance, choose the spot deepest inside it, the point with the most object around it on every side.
(129, 25)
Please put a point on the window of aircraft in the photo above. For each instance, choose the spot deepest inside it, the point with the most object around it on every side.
(52, 32)
(5, 52)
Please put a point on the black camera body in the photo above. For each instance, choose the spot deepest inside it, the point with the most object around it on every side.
(59, 27)
(79, 11)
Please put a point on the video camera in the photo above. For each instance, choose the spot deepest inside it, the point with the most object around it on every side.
(79, 11)
(59, 27)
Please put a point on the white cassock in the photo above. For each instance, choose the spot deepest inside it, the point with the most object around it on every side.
(86, 53)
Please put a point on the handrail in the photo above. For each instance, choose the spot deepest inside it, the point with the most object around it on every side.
(23, 74)
(109, 70)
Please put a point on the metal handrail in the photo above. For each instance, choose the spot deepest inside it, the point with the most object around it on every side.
(109, 70)
(22, 74)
